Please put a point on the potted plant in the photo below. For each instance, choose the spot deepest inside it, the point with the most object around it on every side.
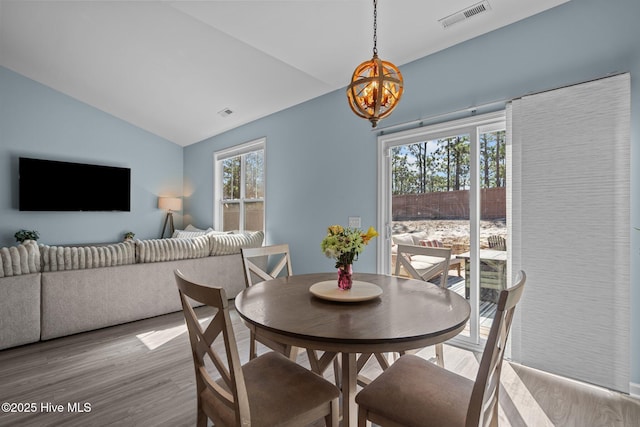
(129, 235)
(24, 235)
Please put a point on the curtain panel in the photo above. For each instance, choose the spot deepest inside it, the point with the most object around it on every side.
(569, 220)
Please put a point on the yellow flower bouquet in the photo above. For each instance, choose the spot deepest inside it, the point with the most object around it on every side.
(344, 245)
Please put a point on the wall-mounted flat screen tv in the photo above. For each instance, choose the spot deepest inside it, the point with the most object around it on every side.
(48, 185)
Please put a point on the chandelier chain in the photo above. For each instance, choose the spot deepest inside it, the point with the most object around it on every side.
(375, 27)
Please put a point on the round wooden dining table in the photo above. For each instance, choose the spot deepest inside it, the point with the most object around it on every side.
(407, 314)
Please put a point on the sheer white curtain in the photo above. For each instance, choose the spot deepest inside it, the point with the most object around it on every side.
(569, 152)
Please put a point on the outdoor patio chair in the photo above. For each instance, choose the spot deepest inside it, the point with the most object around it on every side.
(423, 262)
(453, 261)
(497, 243)
(415, 393)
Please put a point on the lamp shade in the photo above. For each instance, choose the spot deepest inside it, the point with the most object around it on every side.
(170, 203)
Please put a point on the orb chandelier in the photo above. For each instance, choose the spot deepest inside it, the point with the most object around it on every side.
(376, 85)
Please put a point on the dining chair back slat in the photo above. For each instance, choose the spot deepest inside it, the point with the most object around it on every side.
(266, 262)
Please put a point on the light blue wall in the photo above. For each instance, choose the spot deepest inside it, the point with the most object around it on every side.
(321, 159)
(36, 121)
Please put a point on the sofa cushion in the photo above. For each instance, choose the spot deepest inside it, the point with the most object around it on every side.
(402, 239)
(416, 239)
(19, 260)
(227, 244)
(61, 258)
(184, 234)
(157, 250)
(419, 236)
(190, 227)
(423, 263)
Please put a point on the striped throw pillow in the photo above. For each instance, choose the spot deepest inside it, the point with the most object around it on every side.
(227, 244)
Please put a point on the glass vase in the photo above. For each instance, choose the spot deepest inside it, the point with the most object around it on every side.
(344, 277)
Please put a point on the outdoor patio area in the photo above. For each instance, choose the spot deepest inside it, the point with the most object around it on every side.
(455, 234)
(487, 308)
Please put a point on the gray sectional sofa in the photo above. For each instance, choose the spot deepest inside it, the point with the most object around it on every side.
(48, 292)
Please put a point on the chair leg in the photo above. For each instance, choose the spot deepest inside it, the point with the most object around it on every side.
(333, 419)
(252, 346)
(440, 355)
(337, 371)
(202, 419)
(292, 353)
(362, 417)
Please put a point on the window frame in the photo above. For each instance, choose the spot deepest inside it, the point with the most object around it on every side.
(473, 126)
(218, 196)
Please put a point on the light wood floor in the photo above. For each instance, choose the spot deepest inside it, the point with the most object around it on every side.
(141, 374)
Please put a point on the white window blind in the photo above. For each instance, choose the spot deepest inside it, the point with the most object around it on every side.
(569, 197)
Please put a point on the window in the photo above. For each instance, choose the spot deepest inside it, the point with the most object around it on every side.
(240, 187)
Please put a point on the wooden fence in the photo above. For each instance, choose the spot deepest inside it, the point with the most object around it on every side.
(449, 205)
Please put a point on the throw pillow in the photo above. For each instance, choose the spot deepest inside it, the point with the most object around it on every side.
(227, 244)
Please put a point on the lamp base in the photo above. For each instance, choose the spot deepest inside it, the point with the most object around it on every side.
(169, 219)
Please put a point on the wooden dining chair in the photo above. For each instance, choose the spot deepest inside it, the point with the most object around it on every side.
(265, 263)
(267, 391)
(425, 263)
(416, 393)
(269, 262)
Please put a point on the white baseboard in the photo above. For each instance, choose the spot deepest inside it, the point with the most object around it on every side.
(634, 390)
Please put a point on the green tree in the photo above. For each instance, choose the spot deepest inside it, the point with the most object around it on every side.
(254, 174)
(454, 161)
(500, 158)
(485, 158)
(231, 178)
(492, 159)
(419, 152)
(403, 180)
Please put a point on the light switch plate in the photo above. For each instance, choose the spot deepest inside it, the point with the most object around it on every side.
(354, 222)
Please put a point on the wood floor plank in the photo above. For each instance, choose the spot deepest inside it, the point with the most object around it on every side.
(141, 374)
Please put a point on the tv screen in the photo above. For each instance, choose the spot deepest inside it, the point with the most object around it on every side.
(48, 185)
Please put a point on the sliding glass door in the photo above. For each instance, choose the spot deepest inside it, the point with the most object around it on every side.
(444, 185)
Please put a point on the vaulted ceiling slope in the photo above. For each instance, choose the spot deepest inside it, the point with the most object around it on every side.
(170, 67)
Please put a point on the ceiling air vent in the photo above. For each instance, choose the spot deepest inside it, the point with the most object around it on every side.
(467, 13)
(225, 112)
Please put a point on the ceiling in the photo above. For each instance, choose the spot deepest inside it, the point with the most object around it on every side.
(170, 67)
